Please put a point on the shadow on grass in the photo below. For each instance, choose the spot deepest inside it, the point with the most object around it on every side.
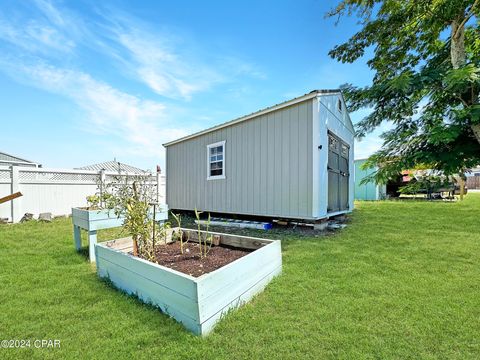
(408, 199)
(84, 252)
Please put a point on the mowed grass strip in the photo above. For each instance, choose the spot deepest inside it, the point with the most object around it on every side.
(401, 281)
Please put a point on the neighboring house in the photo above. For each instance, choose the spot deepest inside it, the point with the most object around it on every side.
(473, 178)
(292, 160)
(9, 160)
(474, 172)
(370, 190)
(114, 166)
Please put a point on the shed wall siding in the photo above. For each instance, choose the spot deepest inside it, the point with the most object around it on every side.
(268, 167)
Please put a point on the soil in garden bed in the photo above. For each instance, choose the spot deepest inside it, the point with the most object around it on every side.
(190, 263)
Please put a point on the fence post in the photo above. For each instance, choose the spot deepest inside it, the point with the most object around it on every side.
(159, 173)
(102, 183)
(15, 204)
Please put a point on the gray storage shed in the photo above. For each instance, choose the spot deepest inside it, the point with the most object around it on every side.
(293, 160)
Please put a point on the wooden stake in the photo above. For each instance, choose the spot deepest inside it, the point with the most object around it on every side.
(10, 197)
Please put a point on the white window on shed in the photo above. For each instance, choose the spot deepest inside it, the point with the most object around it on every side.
(216, 161)
(339, 105)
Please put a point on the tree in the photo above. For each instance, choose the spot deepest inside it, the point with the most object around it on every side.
(426, 63)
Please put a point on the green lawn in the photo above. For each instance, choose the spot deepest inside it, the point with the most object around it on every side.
(401, 281)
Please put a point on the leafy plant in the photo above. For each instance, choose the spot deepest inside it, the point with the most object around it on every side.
(136, 221)
(149, 246)
(93, 202)
(104, 197)
(131, 199)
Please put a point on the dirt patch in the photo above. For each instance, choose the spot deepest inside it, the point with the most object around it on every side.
(190, 263)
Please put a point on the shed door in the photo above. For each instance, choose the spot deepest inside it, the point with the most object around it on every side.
(338, 174)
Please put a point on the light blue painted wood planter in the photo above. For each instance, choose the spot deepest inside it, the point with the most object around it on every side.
(197, 302)
(93, 220)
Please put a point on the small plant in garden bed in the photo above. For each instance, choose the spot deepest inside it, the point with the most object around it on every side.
(205, 241)
(193, 253)
(129, 199)
(190, 261)
(179, 234)
(173, 248)
(103, 198)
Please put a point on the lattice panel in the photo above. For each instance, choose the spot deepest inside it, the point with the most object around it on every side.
(5, 175)
(88, 177)
(59, 176)
(56, 176)
(27, 176)
(130, 179)
(114, 178)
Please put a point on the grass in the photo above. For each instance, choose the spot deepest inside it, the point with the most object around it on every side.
(402, 281)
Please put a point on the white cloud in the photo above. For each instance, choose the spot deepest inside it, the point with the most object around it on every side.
(35, 37)
(239, 67)
(167, 64)
(162, 69)
(170, 65)
(51, 12)
(142, 124)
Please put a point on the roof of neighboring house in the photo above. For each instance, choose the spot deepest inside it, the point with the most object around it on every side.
(310, 95)
(474, 170)
(12, 159)
(113, 166)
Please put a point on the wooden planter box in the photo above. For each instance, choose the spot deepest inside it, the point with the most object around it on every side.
(197, 302)
(93, 220)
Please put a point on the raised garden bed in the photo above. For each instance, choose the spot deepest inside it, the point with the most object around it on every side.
(197, 301)
(93, 220)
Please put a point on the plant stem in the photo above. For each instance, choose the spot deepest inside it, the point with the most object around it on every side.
(135, 246)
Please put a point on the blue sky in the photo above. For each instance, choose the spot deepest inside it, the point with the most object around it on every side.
(86, 81)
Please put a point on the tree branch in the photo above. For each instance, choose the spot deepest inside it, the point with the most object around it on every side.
(467, 17)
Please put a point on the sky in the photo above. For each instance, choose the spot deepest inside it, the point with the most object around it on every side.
(83, 82)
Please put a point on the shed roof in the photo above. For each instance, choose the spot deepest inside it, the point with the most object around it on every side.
(113, 166)
(5, 157)
(281, 105)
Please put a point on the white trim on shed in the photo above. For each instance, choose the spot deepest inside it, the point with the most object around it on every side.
(209, 161)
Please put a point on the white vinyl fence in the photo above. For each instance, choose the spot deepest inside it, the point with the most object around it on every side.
(54, 190)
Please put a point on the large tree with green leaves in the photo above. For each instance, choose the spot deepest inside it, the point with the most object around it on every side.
(426, 63)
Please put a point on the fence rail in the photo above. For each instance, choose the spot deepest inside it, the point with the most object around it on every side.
(56, 190)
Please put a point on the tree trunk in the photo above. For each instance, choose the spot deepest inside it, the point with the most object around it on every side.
(462, 188)
(476, 131)
(457, 43)
(458, 58)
